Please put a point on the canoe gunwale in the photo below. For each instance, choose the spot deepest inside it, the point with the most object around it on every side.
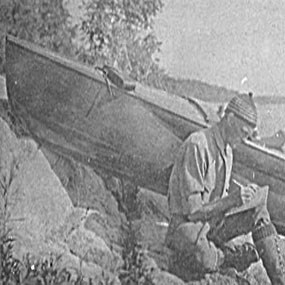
(271, 152)
(95, 75)
(63, 61)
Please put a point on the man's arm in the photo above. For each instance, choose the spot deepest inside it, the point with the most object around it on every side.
(216, 208)
(195, 165)
(242, 199)
(192, 172)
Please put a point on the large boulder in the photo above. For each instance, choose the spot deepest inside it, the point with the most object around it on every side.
(37, 208)
(87, 244)
(88, 190)
(37, 202)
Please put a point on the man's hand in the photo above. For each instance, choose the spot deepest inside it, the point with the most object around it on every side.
(248, 193)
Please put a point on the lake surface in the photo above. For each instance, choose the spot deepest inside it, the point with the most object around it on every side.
(271, 118)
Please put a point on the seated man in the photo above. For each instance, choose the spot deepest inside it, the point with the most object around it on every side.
(200, 177)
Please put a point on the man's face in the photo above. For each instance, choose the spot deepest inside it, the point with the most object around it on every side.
(239, 130)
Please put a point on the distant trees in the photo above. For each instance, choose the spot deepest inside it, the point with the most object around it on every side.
(44, 22)
(115, 32)
(121, 33)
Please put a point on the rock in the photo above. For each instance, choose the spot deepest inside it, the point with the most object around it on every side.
(86, 244)
(154, 204)
(38, 204)
(88, 270)
(77, 266)
(93, 249)
(151, 273)
(69, 267)
(43, 218)
(164, 278)
(217, 278)
(87, 190)
(151, 226)
(97, 223)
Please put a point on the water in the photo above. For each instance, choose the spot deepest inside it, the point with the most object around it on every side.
(271, 118)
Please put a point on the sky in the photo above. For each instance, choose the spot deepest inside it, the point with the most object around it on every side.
(238, 44)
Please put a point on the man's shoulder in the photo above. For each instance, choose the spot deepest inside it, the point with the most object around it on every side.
(200, 137)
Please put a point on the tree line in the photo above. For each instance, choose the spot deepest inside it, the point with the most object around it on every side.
(118, 33)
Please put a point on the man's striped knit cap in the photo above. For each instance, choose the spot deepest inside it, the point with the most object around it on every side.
(243, 107)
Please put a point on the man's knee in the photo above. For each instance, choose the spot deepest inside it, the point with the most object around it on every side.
(186, 236)
(190, 241)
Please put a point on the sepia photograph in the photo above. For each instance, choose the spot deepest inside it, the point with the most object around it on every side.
(142, 142)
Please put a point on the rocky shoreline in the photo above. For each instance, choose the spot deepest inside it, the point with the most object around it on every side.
(106, 229)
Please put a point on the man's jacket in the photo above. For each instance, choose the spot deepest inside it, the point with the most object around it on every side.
(201, 172)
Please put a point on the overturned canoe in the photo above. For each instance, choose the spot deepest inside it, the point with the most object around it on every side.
(74, 111)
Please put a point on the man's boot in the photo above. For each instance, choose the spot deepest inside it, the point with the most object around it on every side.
(239, 257)
(271, 250)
